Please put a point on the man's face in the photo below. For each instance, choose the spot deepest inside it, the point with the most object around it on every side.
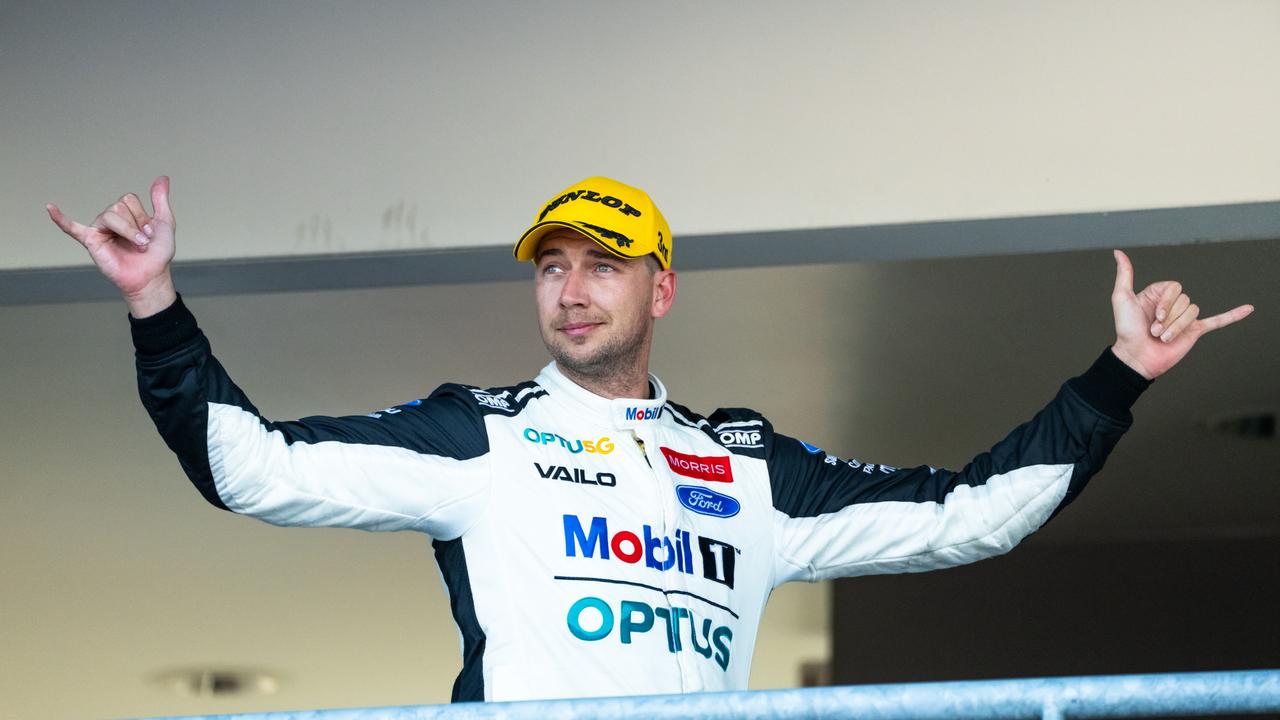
(596, 310)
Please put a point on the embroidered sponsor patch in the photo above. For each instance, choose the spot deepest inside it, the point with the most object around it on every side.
(698, 467)
(497, 402)
(707, 502)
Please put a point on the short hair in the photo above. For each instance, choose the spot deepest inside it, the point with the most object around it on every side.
(651, 261)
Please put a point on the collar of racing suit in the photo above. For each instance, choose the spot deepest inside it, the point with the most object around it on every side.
(620, 413)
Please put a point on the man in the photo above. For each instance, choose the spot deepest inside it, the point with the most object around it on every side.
(595, 537)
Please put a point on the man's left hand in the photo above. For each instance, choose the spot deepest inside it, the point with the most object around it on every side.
(1158, 326)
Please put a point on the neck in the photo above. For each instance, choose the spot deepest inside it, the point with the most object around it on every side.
(629, 383)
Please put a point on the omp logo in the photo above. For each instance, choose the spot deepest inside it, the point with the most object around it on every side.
(711, 469)
(498, 401)
(707, 502)
(576, 475)
(741, 433)
(643, 413)
(740, 438)
(592, 619)
(715, 560)
(602, 446)
(592, 196)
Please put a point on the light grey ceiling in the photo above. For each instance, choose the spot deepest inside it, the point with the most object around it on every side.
(303, 128)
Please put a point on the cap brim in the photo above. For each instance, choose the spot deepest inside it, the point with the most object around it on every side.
(527, 246)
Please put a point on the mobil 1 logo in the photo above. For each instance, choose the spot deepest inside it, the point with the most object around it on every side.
(715, 559)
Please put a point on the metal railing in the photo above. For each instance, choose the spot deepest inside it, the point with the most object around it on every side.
(1213, 693)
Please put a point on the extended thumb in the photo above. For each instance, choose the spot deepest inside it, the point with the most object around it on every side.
(1124, 272)
(160, 198)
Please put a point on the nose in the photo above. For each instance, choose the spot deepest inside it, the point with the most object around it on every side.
(573, 292)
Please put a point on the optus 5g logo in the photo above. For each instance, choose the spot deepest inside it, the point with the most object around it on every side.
(592, 619)
(602, 446)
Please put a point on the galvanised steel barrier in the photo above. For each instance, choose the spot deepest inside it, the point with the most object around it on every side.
(1105, 696)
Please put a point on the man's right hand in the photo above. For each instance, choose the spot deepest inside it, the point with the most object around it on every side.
(132, 249)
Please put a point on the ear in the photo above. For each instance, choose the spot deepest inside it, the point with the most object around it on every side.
(664, 292)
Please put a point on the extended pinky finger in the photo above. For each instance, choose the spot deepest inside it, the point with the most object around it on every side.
(66, 224)
(1222, 320)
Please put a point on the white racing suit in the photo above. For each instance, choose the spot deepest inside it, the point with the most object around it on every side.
(609, 547)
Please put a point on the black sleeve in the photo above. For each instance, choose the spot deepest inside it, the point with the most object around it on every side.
(847, 517)
(394, 469)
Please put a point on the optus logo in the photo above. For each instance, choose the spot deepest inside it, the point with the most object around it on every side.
(601, 446)
(592, 619)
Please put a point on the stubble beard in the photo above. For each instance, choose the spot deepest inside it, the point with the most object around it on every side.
(615, 359)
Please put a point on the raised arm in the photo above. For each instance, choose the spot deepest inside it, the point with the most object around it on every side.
(842, 517)
(419, 466)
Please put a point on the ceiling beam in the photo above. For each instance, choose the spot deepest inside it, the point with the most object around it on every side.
(871, 243)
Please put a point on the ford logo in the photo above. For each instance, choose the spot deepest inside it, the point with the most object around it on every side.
(707, 502)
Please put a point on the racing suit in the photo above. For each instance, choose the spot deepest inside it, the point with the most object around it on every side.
(607, 547)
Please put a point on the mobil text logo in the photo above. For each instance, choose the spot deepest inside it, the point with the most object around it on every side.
(643, 413)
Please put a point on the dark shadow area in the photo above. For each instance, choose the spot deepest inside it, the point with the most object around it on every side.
(1168, 562)
(1167, 606)
(1170, 606)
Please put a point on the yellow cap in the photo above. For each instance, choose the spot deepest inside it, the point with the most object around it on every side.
(620, 218)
